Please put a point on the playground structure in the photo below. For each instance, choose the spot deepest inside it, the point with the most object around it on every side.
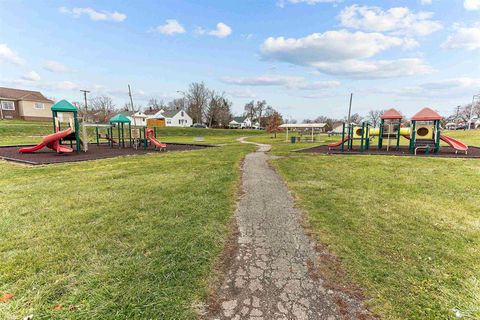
(424, 134)
(64, 112)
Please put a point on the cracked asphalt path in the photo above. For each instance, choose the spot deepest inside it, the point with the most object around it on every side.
(270, 275)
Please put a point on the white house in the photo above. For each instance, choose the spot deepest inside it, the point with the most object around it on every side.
(177, 118)
(242, 123)
(137, 118)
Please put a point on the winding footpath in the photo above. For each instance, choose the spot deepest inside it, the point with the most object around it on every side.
(270, 276)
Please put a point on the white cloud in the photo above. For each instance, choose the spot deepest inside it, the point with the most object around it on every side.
(345, 53)
(471, 5)
(10, 56)
(375, 69)
(425, 2)
(329, 46)
(199, 31)
(93, 14)
(55, 66)
(464, 37)
(31, 76)
(171, 27)
(65, 85)
(243, 93)
(221, 31)
(290, 82)
(398, 20)
(453, 84)
(281, 3)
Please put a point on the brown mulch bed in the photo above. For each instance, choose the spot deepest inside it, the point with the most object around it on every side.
(102, 151)
(446, 152)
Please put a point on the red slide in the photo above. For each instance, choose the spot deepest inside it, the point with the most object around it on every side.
(336, 144)
(151, 137)
(51, 141)
(455, 144)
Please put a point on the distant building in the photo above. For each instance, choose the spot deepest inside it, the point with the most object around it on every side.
(176, 118)
(137, 118)
(24, 104)
(243, 123)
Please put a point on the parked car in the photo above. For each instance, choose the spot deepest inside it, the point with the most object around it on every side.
(198, 125)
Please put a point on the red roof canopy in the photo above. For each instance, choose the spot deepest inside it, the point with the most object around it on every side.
(391, 114)
(426, 114)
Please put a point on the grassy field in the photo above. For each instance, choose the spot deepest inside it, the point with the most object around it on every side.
(132, 237)
(406, 229)
(136, 237)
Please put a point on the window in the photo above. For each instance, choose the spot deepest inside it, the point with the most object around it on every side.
(182, 113)
(38, 106)
(8, 105)
(169, 121)
(180, 121)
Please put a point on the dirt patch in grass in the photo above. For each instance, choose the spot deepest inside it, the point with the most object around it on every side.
(102, 151)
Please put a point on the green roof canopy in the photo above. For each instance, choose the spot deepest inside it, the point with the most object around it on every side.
(64, 106)
(119, 118)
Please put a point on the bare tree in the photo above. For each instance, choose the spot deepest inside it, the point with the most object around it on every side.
(102, 107)
(155, 104)
(260, 107)
(373, 116)
(197, 97)
(176, 104)
(249, 109)
(218, 112)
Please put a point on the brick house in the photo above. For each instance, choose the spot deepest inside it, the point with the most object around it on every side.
(24, 104)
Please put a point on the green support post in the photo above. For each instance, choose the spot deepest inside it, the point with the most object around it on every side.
(96, 135)
(412, 138)
(398, 133)
(342, 148)
(361, 139)
(437, 136)
(350, 133)
(145, 143)
(155, 132)
(130, 134)
(367, 137)
(77, 131)
(119, 141)
(380, 134)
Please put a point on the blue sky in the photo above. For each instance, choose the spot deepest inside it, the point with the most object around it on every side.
(303, 56)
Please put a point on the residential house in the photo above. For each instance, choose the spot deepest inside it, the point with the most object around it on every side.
(137, 118)
(243, 123)
(24, 104)
(177, 118)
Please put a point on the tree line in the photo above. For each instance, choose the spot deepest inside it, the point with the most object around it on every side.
(202, 104)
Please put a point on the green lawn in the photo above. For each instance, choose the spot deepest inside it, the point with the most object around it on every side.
(136, 237)
(406, 229)
(130, 237)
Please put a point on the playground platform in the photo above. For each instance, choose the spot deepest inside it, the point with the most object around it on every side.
(102, 151)
(446, 152)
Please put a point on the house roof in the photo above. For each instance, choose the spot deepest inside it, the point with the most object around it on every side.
(169, 113)
(19, 94)
(64, 106)
(426, 114)
(119, 118)
(391, 114)
(151, 112)
(127, 113)
(239, 119)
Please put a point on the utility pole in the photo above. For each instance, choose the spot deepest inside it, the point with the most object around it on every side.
(350, 108)
(86, 107)
(131, 103)
(456, 117)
